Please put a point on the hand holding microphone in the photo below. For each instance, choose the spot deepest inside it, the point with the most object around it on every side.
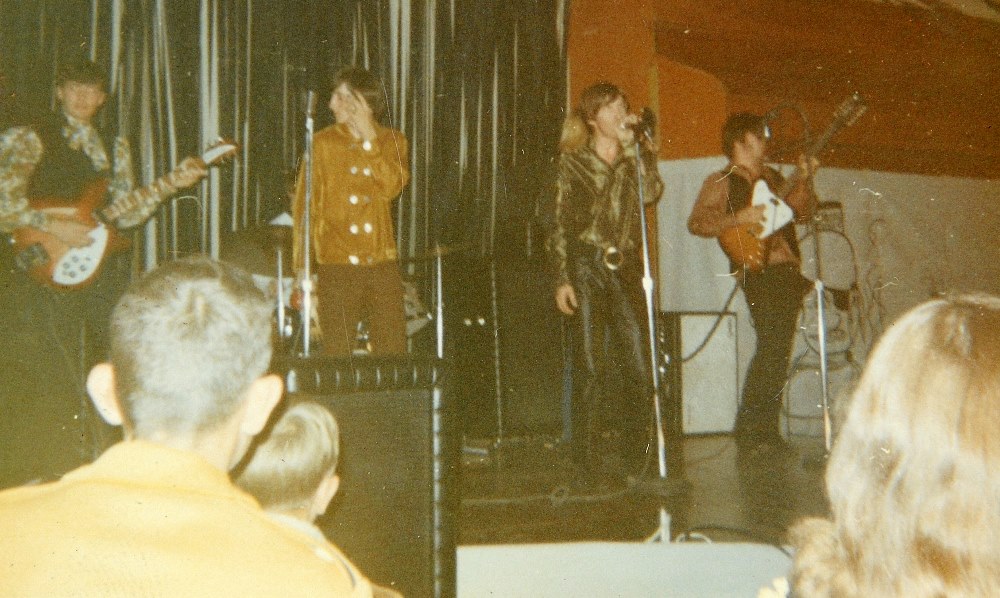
(640, 127)
(626, 129)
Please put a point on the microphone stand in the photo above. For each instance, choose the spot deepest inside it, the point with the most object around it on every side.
(282, 329)
(305, 283)
(821, 338)
(648, 286)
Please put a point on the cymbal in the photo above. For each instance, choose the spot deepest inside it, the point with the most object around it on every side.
(275, 235)
(436, 252)
(256, 250)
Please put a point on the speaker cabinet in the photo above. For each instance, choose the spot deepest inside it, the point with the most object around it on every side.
(502, 327)
(470, 333)
(703, 370)
(394, 512)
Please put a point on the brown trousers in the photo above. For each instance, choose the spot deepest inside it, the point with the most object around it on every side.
(349, 294)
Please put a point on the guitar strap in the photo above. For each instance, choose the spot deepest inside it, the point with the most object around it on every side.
(739, 190)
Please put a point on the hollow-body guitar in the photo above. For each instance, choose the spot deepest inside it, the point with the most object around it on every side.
(746, 244)
(51, 262)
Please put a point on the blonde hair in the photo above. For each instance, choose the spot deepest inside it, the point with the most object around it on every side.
(576, 129)
(293, 459)
(914, 477)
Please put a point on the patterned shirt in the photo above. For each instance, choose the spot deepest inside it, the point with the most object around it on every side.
(21, 151)
(597, 203)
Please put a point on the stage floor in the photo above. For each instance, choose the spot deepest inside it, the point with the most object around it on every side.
(521, 490)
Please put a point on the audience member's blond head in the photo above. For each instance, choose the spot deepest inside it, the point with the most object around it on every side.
(188, 340)
(294, 459)
(914, 476)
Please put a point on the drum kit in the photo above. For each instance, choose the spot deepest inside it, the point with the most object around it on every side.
(265, 252)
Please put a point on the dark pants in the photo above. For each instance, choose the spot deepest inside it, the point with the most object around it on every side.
(611, 358)
(51, 339)
(774, 297)
(370, 294)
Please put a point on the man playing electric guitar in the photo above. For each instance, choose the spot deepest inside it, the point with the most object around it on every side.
(53, 336)
(766, 268)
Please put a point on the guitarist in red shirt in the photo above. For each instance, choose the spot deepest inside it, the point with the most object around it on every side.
(53, 335)
(767, 269)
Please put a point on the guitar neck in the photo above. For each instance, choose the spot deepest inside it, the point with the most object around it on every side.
(814, 148)
(162, 187)
(126, 203)
(848, 112)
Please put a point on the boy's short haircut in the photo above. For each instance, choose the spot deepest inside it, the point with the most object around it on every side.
(736, 128)
(187, 340)
(81, 70)
(291, 461)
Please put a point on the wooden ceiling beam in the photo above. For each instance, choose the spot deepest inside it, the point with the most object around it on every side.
(927, 75)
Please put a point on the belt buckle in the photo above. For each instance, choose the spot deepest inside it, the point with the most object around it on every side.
(612, 258)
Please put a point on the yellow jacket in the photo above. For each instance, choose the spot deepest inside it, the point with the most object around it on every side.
(353, 188)
(148, 520)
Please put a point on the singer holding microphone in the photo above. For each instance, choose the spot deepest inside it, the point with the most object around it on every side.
(359, 167)
(596, 253)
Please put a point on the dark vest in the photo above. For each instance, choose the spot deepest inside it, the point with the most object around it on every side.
(740, 193)
(63, 172)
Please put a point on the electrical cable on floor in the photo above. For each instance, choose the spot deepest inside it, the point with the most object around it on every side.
(562, 494)
(559, 496)
(694, 533)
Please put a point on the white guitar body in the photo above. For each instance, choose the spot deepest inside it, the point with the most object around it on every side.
(51, 262)
(743, 244)
(78, 264)
(777, 213)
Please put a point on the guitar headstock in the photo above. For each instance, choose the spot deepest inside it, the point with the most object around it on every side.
(219, 151)
(850, 110)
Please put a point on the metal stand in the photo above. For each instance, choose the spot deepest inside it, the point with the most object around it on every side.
(282, 328)
(648, 286)
(439, 304)
(497, 377)
(278, 238)
(821, 338)
(305, 283)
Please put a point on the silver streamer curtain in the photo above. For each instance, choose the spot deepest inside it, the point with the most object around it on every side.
(479, 88)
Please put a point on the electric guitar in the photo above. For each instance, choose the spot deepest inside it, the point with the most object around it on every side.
(746, 244)
(51, 262)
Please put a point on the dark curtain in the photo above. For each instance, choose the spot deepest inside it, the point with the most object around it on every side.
(478, 86)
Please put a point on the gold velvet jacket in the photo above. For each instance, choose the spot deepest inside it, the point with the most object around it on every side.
(353, 186)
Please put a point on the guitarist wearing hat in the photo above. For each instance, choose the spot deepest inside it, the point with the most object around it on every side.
(53, 334)
(761, 243)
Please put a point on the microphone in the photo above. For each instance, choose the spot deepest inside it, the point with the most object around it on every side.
(646, 125)
(769, 116)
